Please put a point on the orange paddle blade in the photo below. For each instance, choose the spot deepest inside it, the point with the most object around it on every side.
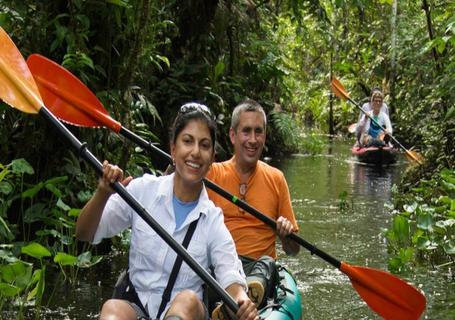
(67, 97)
(386, 294)
(338, 89)
(17, 87)
(414, 156)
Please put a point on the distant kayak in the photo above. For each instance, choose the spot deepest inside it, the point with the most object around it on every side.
(375, 155)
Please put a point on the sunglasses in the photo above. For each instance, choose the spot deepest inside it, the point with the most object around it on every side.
(195, 107)
(242, 192)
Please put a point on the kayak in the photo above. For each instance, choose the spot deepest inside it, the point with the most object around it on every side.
(288, 300)
(375, 155)
(286, 304)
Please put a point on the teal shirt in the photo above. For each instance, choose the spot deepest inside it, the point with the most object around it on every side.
(374, 128)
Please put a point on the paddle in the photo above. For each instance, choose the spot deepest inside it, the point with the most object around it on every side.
(341, 93)
(386, 294)
(18, 89)
(352, 128)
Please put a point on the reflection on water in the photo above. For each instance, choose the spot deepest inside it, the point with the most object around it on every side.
(354, 236)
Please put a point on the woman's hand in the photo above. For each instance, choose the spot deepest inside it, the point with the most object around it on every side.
(247, 309)
(111, 174)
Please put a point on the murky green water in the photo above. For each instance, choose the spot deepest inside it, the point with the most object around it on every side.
(354, 235)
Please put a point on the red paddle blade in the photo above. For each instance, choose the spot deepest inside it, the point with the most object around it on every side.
(17, 86)
(386, 294)
(67, 97)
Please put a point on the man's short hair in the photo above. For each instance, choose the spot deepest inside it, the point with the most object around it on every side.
(248, 105)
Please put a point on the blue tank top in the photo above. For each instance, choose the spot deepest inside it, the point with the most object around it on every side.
(374, 128)
(182, 209)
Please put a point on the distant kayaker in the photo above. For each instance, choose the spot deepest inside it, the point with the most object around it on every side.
(375, 126)
(368, 107)
(179, 202)
(264, 188)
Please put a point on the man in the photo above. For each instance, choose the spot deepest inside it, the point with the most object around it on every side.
(261, 186)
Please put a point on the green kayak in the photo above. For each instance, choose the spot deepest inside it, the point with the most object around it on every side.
(288, 301)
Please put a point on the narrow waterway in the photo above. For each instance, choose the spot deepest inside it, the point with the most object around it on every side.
(341, 208)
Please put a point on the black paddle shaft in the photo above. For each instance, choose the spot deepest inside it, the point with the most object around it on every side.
(242, 204)
(85, 154)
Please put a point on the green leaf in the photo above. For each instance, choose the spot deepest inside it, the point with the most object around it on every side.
(74, 212)
(38, 291)
(120, 3)
(21, 166)
(63, 205)
(5, 187)
(423, 243)
(84, 196)
(410, 208)
(7, 256)
(4, 172)
(55, 191)
(30, 193)
(400, 226)
(163, 59)
(35, 213)
(18, 272)
(219, 69)
(65, 259)
(449, 247)
(36, 250)
(9, 290)
(425, 221)
(85, 260)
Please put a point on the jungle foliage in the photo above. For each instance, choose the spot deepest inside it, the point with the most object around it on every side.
(145, 58)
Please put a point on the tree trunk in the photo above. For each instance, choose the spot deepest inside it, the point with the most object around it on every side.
(427, 9)
(393, 50)
(331, 129)
(127, 76)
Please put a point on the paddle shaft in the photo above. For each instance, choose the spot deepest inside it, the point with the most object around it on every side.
(85, 154)
(272, 223)
(230, 197)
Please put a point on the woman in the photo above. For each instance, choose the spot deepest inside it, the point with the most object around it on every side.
(175, 201)
(368, 107)
(374, 132)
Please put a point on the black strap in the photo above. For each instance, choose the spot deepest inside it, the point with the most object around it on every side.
(175, 269)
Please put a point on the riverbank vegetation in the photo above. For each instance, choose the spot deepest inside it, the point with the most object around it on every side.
(144, 59)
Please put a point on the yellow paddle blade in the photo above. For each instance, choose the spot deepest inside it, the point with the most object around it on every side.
(414, 156)
(17, 86)
(352, 128)
(338, 89)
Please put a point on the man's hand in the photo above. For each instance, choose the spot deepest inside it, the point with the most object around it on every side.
(284, 228)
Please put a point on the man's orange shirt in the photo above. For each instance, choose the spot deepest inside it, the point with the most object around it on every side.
(267, 191)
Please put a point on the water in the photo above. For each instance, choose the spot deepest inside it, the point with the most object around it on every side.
(353, 234)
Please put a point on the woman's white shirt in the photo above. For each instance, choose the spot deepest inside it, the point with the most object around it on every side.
(151, 259)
